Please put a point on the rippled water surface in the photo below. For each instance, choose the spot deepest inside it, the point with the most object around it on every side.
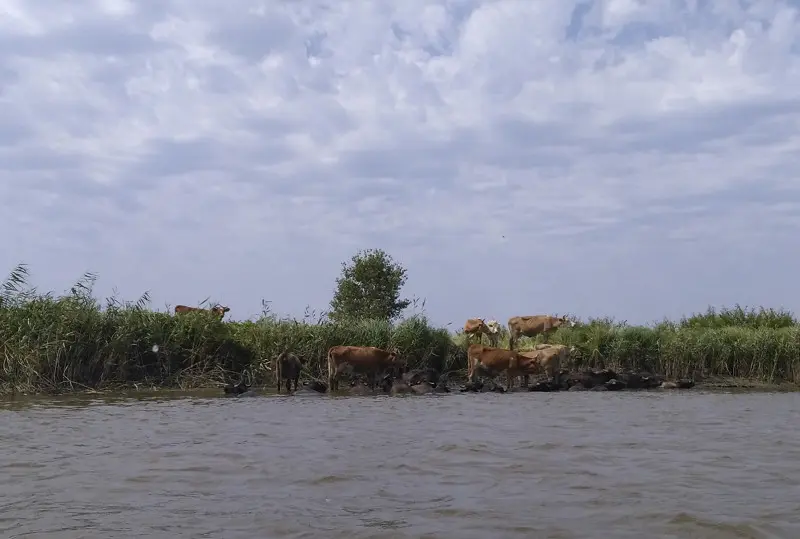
(563, 465)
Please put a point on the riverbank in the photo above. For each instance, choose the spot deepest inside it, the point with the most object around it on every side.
(127, 393)
(60, 344)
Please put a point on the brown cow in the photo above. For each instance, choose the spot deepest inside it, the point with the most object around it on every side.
(490, 361)
(479, 327)
(218, 310)
(368, 360)
(531, 326)
(288, 367)
(544, 359)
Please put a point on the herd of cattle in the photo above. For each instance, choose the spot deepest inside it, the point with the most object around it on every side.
(386, 370)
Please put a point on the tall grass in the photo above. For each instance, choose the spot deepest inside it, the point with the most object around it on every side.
(761, 345)
(69, 342)
(739, 316)
(54, 343)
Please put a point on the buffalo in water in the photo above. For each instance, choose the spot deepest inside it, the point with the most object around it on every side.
(240, 389)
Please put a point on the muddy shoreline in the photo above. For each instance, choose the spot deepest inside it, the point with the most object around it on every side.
(456, 383)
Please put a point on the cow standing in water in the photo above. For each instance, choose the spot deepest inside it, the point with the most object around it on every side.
(547, 359)
(367, 360)
(490, 361)
(288, 367)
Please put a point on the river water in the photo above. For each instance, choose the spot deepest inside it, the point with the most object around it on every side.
(550, 465)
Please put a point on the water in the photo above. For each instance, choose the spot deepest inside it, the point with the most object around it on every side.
(550, 465)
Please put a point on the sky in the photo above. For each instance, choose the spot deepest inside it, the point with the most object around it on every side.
(637, 159)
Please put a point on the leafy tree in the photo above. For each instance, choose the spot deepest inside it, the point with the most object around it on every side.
(369, 287)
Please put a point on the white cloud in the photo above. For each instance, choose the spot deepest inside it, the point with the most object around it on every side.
(628, 158)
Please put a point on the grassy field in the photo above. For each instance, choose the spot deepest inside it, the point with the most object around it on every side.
(71, 342)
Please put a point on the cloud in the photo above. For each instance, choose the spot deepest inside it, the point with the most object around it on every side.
(614, 158)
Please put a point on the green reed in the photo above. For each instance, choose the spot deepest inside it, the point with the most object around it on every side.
(70, 342)
(768, 352)
(54, 343)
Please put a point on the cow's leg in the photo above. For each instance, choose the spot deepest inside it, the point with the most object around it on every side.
(525, 380)
(472, 364)
(509, 380)
(279, 384)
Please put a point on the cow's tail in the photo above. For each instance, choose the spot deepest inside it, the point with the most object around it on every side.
(278, 371)
(563, 359)
(513, 363)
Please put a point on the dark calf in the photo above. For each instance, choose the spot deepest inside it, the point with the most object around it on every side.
(288, 367)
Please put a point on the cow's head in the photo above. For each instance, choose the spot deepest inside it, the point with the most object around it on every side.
(564, 321)
(492, 326)
(220, 310)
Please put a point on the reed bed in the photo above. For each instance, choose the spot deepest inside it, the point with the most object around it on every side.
(54, 344)
(764, 354)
